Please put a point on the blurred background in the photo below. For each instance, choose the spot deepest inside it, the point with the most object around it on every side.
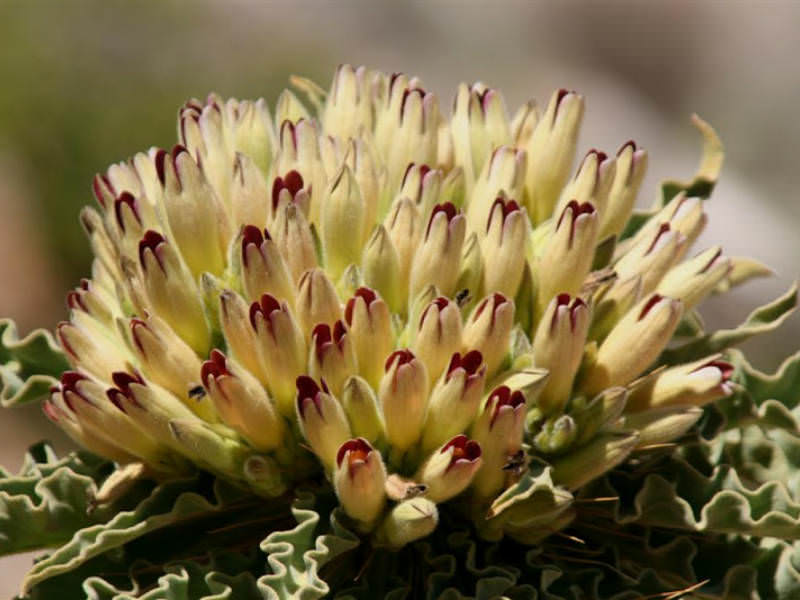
(89, 82)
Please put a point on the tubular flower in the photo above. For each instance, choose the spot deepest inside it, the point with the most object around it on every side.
(347, 294)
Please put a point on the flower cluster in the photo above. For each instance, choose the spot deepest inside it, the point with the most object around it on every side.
(413, 306)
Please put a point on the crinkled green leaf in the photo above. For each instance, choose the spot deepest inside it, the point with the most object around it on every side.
(48, 500)
(168, 504)
(762, 320)
(296, 556)
(29, 366)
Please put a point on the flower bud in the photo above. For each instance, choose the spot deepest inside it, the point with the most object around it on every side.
(348, 108)
(317, 301)
(263, 269)
(359, 481)
(172, 292)
(470, 275)
(234, 318)
(504, 248)
(406, 128)
(287, 190)
(684, 215)
(634, 343)
(242, 403)
(86, 400)
(437, 258)
(370, 330)
(450, 469)
(300, 151)
(438, 335)
(550, 150)
(343, 223)
(203, 444)
(168, 361)
(652, 258)
(288, 108)
(254, 135)
(197, 219)
(503, 172)
(249, 193)
(95, 300)
(556, 435)
(585, 463)
(91, 347)
(693, 280)
(592, 182)
(380, 266)
(404, 229)
(293, 236)
(523, 123)
(695, 384)
(264, 476)
(321, 419)
(361, 405)
(610, 304)
(567, 256)
(488, 330)
(403, 394)
(558, 347)
(662, 424)
(422, 185)
(407, 522)
(150, 406)
(631, 167)
(498, 430)
(204, 129)
(454, 400)
(331, 357)
(479, 125)
(281, 348)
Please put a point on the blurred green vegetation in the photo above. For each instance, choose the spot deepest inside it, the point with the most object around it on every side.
(88, 83)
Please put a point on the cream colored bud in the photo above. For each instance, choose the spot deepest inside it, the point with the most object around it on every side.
(450, 469)
(370, 329)
(289, 108)
(437, 258)
(403, 394)
(322, 420)
(254, 134)
(286, 190)
(634, 343)
(558, 347)
(234, 318)
(454, 399)
(504, 248)
(242, 402)
(498, 430)
(503, 172)
(172, 292)
(691, 281)
(361, 406)
(91, 347)
(631, 168)
(343, 221)
(348, 108)
(300, 151)
(422, 185)
(551, 149)
(652, 257)
(281, 349)
(169, 361)
(331, 356)
(317, 300)
(684, 215)
(202, 443)
(262, 267)
(567, 256)
(611, 302)
(407, 522)
(488, 330)
(405, 230)
(249, 193)
(360, 480)
(695, 384)
(663, 424)
(479, 125)
(592, 182)
(523, 124)
(438, 335)
(197, 219)
(380, 267)
(580, 466)
(293, 236)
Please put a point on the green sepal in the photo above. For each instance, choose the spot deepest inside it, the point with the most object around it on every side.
(29, 366)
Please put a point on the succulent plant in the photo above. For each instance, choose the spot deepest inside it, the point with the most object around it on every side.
(362, 349)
